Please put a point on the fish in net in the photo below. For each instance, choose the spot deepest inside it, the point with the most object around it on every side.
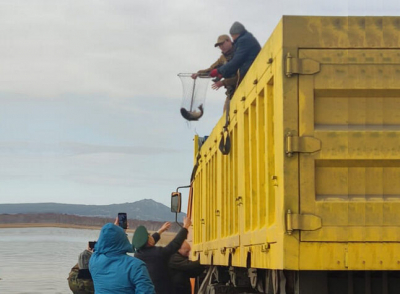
(194, 95)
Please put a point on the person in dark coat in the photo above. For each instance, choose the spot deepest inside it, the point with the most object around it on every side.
(182, 269)
(156, 258)
(246, 49)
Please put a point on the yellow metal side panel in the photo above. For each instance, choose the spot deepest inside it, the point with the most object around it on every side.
(247, 170)
(352, 106)
(261, 180)
(287, 168)
(198, 213)
(349, 256)
(373, 256)
(259, 117)
(238, 192)
(211, 196)
(272, 178)
(341, 32)
(208, 205)
(234, 172)
(326, 256)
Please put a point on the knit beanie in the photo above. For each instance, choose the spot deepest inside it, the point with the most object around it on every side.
(236, 28)
(83, 260)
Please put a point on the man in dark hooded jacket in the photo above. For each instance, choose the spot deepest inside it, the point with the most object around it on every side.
(182, 269)
(246, 49)
(156, 258)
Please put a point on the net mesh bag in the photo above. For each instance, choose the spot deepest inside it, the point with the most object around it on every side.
(194, 95)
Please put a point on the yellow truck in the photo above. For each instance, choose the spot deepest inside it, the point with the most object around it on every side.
(308, 198)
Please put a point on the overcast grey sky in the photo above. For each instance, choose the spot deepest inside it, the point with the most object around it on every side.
(89, 97)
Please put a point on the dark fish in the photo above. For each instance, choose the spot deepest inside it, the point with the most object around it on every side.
(192, 115)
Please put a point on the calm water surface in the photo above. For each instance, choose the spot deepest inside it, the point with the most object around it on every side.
(38, 260)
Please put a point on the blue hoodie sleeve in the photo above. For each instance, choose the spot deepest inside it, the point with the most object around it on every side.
(141, 280)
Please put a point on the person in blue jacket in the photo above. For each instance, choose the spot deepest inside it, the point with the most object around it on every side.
(246, 49)
(112, 270)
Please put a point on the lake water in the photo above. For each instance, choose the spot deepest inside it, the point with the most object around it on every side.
(38, 260)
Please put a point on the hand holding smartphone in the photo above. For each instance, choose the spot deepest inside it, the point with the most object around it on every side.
(91, 244)
(122, 220)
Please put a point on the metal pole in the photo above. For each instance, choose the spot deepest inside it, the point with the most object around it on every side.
(176, 214)
(191, 101)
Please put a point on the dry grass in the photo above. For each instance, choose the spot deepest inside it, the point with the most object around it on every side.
(166, 238)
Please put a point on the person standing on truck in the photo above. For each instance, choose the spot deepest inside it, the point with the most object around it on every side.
(226, 46)
(112, 270)
(182, 269)
(246, 49)
(157, 257)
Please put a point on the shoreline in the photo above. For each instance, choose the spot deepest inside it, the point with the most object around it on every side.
(54, 225)
(167, 235)
(42, 225)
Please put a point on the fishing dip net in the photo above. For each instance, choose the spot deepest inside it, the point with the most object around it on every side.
(194, 95)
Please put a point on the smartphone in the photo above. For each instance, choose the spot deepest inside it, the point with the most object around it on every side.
(91, 244)
(122, 220)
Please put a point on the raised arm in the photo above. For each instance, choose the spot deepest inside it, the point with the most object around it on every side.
(157, 235)
(218, 63)
(176, 243)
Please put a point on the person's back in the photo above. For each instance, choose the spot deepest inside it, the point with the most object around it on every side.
(252, 48)
(156, 261)
(79, 285)
(182, 269)
(112, 270)
(83, 263)
(79, 279)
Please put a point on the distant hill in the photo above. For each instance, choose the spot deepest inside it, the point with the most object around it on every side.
(146, 209)
(72, 221)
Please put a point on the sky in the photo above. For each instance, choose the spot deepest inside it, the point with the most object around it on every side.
(90, 98)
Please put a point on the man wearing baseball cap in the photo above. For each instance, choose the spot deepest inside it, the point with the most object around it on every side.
(225, 44)
(246, 49)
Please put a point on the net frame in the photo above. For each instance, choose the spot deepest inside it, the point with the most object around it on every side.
(193, 90)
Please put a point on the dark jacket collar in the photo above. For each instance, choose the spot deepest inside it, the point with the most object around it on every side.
(241, 35)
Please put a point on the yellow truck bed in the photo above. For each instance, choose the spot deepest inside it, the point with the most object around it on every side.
(312, 181)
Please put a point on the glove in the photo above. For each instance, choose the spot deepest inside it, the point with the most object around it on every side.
(214, 73)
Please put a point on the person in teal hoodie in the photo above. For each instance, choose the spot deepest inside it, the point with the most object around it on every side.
(112, 270)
